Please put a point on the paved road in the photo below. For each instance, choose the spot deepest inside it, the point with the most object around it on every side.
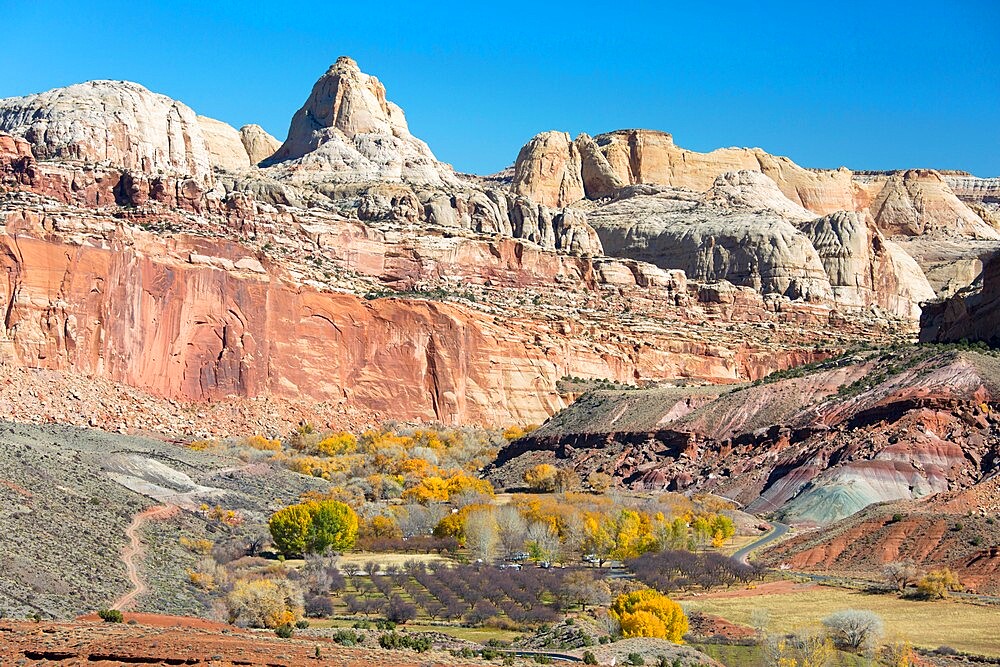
(777, 531)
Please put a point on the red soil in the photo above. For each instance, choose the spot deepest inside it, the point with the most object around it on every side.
(182, 642)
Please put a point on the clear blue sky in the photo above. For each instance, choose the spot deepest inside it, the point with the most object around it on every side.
(869, 85)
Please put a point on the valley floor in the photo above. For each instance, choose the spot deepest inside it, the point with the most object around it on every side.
(927, 624)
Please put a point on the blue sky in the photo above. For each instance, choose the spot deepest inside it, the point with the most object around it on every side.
(866, 85)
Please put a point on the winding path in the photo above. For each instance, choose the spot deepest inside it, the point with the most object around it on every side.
(777, 531)
(134, 551)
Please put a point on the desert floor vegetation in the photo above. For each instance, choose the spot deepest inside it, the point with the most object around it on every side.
(927, 624)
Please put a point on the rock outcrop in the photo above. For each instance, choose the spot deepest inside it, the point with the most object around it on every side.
(112, 122)
(864, 267)
(258, 144)
(746, 232)
(678, 231)
(122, 124)
(972, 314)
(646, 157)
(919, 202)
(225, 145)
(168, 238)
(548, 170)
(230, 296)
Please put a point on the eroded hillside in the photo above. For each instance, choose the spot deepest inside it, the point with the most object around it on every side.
(814, 447)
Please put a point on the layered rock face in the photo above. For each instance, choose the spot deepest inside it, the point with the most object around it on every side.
(144, 246)
(914, 213)
(918, 202)
(864, 267)
(216, 294)
(610, 161)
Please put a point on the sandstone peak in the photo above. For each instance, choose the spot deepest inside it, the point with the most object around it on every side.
(347, 129)
(548, 170)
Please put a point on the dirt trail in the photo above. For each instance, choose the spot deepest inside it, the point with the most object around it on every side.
(134, 551)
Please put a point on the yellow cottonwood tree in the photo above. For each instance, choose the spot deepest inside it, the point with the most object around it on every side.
(633, 611)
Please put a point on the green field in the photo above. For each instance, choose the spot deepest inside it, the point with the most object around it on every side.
(962, 626)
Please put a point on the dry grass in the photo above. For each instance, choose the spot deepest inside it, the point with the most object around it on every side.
(960, 625)
(391, 559)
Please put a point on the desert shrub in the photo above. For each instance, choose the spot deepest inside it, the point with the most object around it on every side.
(285, 630)
(635, 659)
(589, 658)
(263, 603)
(201, 580)
(393, 640)
(512, 433)
(263, 444)
(204, 445)
(111, 616)
(301, 624)
(197, 546)
(337, 444)
(347, 637)
(599, 481)
(541, 477)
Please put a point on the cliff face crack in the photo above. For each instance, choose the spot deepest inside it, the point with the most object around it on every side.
(13, 283)
(325, 318)
(432, 375)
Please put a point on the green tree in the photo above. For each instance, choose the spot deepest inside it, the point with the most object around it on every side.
(290, 529)
(313, 527)
(334, 527)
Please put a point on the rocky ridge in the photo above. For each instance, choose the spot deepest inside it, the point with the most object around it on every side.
(815, 448)
(352, 261)
(973, 313)
(229, 295)
(913, 212)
